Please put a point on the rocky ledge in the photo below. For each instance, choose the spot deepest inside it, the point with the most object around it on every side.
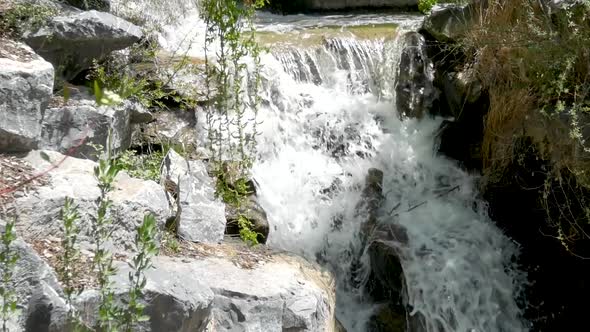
(193, 287)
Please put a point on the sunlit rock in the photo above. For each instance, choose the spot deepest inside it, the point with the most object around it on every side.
(26, 84)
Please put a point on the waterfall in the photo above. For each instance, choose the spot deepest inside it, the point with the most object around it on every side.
(328, 116)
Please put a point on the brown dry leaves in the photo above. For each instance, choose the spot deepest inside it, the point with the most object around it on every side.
(51, 251)
(15, 174)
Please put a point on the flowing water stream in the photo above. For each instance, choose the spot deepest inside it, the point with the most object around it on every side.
(328, 116)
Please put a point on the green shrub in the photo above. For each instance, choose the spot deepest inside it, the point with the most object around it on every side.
(231, 25)
(233, 192)
(8, 261)
(145, 86)
(23, 17)
(113, 317)
(246, 233)
(426, 5)
(109, 314)
(535, 67)
(67, 270)
(147, 247)
(145, 166)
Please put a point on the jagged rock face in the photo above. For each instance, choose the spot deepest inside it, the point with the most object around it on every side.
(415, 92)
(26, 85)
(80, 119)
(132, 198)
(280, 292)
(285, 293)
(200, 216)
(71, 43)
(175, 127)
(37, 291)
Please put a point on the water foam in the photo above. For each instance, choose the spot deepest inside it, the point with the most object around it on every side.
(327, 117)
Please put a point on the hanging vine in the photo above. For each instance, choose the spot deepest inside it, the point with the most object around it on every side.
(232, 61)
(232, 69)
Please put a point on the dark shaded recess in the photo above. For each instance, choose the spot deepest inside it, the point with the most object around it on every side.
(461, 137)
(558, 279)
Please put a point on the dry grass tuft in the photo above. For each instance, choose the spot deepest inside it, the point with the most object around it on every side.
(536, 67)
(506, 118)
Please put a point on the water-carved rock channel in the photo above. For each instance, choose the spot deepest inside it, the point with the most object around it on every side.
(348, 176)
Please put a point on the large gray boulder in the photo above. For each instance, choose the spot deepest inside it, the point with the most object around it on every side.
(80, 120)
(200, 216)
(37, 291)
(233, 288)
(132, 199)
(415, 91)
(26, 85)
(285, 293)
(176, 299)
(280, 293)
(449, 23)
(71, 43)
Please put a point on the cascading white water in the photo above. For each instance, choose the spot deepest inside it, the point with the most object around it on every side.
(325, 125)
(327, 117)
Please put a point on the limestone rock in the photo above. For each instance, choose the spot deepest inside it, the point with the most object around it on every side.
(45, 311)
(26, 85)
(80, 119)
(213, 294)
(285, 294)
(72, 42)
(276, 292)
(132, 199)
(200, 215)
(37, 290)
(176, 299)
(415, 88)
